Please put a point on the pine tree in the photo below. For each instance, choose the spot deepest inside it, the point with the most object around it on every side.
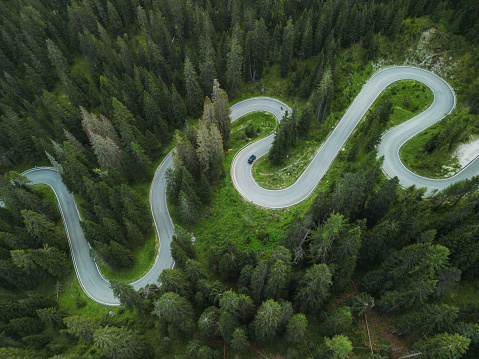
(277, 280)
(120, 343)
(129, 297)
(313, 288)
(234, 65)
(287, 48)
(80, 327)
(207, 64)
(208, 112)
(194, 271)
(205, 193)
(194, 94)
(52, 260)
(51, 317)
(266, 321)
(296, 328)
(256, 50)
(429, 320)
(175, 281)
(239, 341)
(203, 148)
(443, 346)
(222, 117)
(258, 280)
(178, 108)
(216, 154)
(208, 324)
(176, 311)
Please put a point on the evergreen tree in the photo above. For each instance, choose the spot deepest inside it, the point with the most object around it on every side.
(239, 341)
(443, 346)
(174, 280)
(339, 347)
(176, 311)
(296, 328)
(234, 66)
(256, 50)
(222, 117)
(194, 93)
(207, 64)
(337, 322)
(120, 343)
(80, 327)
(429, 320)
(266, 321)
(194, 271)
(313, 288)
(208, 324)
(51, 317)
(178, 108)
(277, 280)
(287, 48)
(129, 297)
(205, 190)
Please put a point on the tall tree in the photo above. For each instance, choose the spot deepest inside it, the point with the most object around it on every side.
(266, 321)
(194, 94)
(313, 288)
(443, 346)
(176, 311)
(256, 50)
(234, 64)
(129, 297)
(222, 117)
(287, 48)
(120, 343)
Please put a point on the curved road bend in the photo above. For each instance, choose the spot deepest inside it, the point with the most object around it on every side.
(92, 282)
(97, 288)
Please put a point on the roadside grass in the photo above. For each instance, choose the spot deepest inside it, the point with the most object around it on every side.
(270, 85)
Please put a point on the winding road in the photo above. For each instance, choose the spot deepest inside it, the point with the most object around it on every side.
(97, 287)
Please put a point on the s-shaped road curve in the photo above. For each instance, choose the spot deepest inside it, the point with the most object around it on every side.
(97, 288)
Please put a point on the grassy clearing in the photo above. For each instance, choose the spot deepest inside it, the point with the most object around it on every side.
(264, 124)
(409, 98)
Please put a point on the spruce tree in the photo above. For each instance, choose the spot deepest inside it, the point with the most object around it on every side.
(176, 311)
(313, 288)
(234, 65)
(443, 346)
(287, 48)
(194, 94)
(120, 343)
(129, 297)
(296, 328)
(208, 323)
(222, 117)
(266, 321)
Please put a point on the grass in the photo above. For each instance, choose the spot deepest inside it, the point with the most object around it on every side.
(445, 135)
(409, 98)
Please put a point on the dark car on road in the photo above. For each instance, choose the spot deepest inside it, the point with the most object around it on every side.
(251, 159)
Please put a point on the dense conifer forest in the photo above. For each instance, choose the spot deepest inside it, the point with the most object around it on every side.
(103, 90)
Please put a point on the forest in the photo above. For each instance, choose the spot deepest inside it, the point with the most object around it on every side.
(103, 90)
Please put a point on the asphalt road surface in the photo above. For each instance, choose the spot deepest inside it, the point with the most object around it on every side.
(97, 288)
